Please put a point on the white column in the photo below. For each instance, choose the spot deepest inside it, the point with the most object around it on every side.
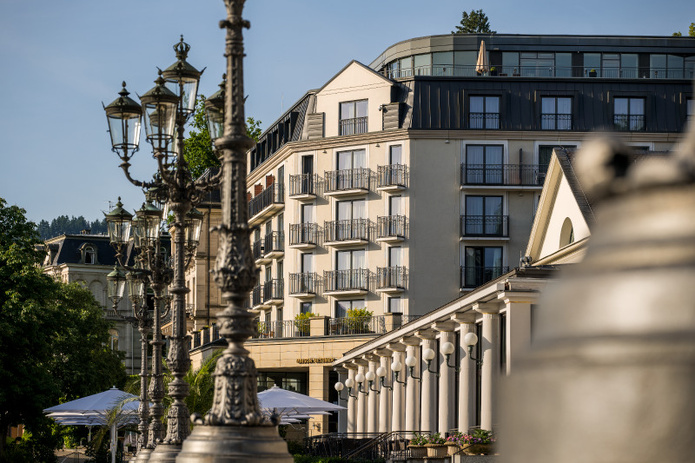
(342, 414)
(518, 321)
(372, 398)
(412, 390)
(490, 369)
(352, 404)
(446, 386)
(361, 402)
(466, 390)
(427, 391)
(385, 394)
(398, 402)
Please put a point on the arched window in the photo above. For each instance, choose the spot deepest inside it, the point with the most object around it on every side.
(89, 254)
(566, 233)
(113, 339)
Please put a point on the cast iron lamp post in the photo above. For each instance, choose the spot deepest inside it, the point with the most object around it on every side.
(165, 115)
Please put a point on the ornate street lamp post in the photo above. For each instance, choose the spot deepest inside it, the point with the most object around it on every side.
(235, 429)
(165, 115)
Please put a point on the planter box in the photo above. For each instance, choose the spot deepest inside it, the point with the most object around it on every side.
(479, 449)
(418, 451)
(452, 449)
(436, 450)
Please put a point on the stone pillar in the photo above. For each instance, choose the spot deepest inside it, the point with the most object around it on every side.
(372, 396)
(398, 396)
(361, 402)
(342, 414)
(467, 369)
(491, 363)
(385, 393)
(518, 324)
(352, 403)
(446, 383)
(412, 387)
(427, 389)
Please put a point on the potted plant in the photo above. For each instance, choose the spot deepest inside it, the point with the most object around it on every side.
(417, 446)
(436, 446)
(454, 443)
(493, 71)
(303, 324)
(478, 442)
(358, 320)
(592, 73)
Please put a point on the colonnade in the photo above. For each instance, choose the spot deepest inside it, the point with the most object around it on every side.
(407, 394)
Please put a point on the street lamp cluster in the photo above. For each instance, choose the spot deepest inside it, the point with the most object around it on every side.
(447, 348)
(235, 429)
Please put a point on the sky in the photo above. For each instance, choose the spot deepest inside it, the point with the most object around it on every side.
(61, 59)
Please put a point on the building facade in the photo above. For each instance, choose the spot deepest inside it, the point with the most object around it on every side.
(406, 184)
(87, 259)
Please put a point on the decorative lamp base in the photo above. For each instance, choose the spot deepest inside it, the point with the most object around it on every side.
(240, 444)
(164, 453)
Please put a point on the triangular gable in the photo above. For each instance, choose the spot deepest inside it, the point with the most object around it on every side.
(354, 76)
(562, 207)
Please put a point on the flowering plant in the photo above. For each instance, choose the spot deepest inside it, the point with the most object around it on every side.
(456, 438)
(478, 436)
(418, 439)
(436, 439)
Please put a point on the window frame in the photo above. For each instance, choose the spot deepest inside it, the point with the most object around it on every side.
(485, 114)
(360, 124)
(556, 115)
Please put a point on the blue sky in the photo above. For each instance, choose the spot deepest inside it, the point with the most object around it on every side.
(62, 58)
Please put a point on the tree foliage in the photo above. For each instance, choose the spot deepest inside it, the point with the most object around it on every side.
(475, 22)
(70, 225)
(691, 31)
(53, 336)
(197, 148)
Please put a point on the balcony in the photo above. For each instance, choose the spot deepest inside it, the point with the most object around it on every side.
(628, 123)
(394, 177)
(304, 235)
(490, 226)
(266, 203)
(347, 232)
(353, 126)
(391, 279)
(257, 251)
(304, 186)
(391, 228)
(274, 245)
(353, 282)
(273, 292)
(502, 175)
(283, 329)
(257, 301)
(304, 285)
(347, 326)
(621, 72)
(347, 182)
(473, 276)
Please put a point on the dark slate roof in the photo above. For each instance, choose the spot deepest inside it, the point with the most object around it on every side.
(66, 249)
(566, 157)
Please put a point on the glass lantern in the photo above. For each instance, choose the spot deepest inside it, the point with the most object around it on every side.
(124, 119)
(149, 221)
(115, 285)
(214, 112)
(182, 78)
(160, 115)
(118, 222)
(192, 226)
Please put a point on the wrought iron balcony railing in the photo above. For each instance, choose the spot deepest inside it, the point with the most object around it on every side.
(347, 230)
(283, 329)
(374, 324)
(346, 280)
(257, 249)
(391, 277)
(353, 126)
(391, 226)
(304, 185)
(257, 296)
(304, 234)
(304, 283)
(502, 174)
(484, 120)
(473, 276)
(347, 179)
(393, 175)
(274, 194)
(273, 290)
(274, 243)
(631, 123)
(484, 225)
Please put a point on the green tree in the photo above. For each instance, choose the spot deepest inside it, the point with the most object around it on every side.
(475, 22)
(691, 31)
(197, 148)
(53, 337)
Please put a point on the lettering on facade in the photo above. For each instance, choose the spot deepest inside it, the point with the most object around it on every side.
(315, 360)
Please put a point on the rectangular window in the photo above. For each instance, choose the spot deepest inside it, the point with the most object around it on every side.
(484, 165)
(556, 113)
(510, 63)
(484, 216)
(341, 307)
(610, 63)
(305, 307)
(629, 65)
(353, 117)
(690, 108)
(482, 264)
(484, 112)
(423, 64)
(563, 65)
(443, 63)
(592, 63)
(355, 159)
(395, 154)
(395, 305)
(628, 114)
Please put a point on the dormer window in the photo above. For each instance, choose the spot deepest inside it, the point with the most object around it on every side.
(89, 254)
(353, 117)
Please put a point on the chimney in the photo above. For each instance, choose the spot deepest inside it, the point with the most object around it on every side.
(257, 188)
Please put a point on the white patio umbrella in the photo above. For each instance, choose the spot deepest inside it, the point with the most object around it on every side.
(94, 410)
(483, 64)
(293, 405)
